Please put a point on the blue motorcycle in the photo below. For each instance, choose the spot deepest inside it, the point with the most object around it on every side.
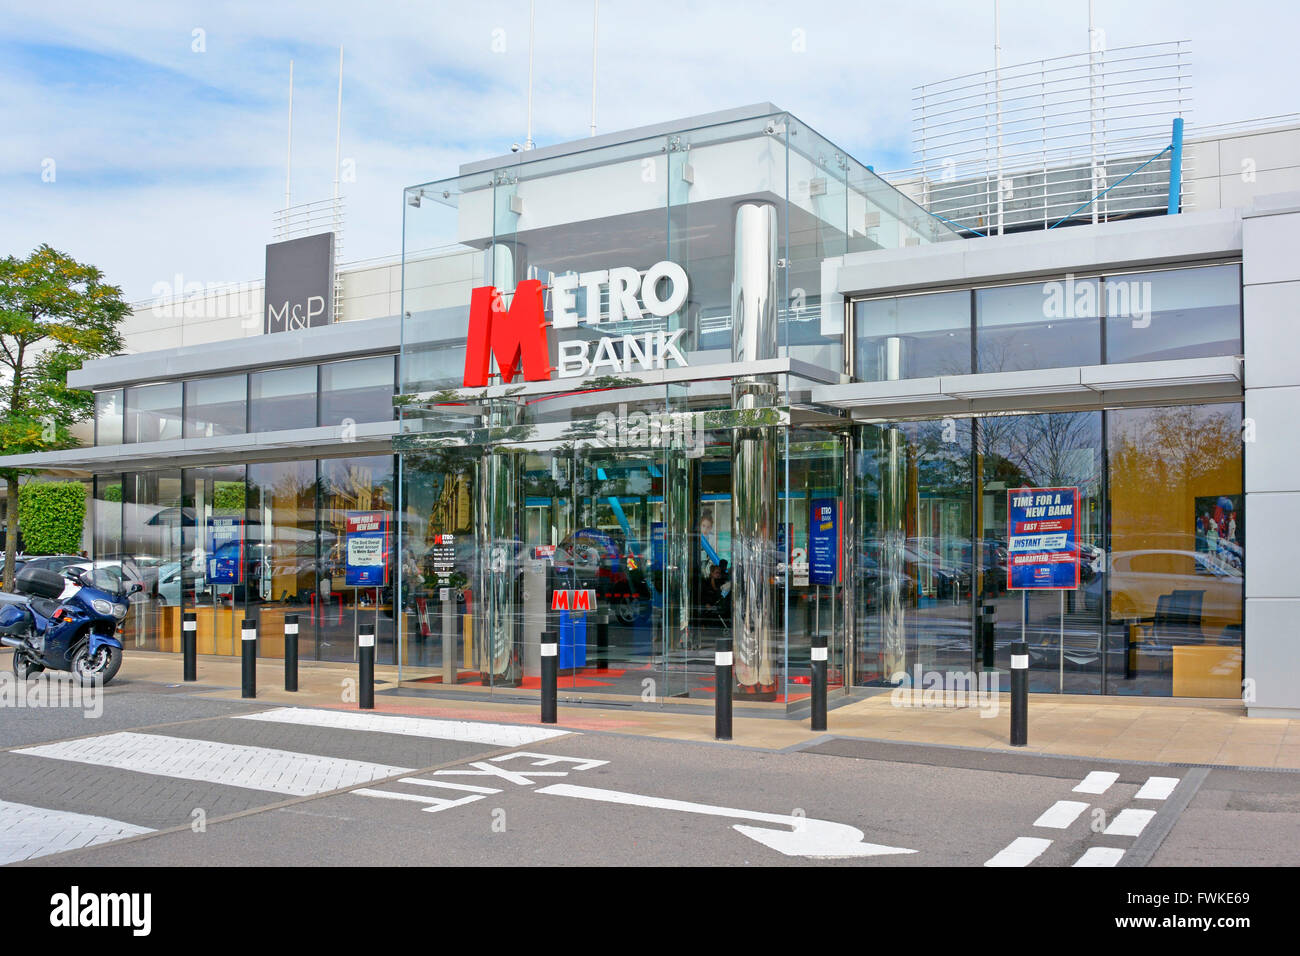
(76, 633)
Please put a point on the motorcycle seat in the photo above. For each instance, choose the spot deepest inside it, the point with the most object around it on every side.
(43, 606)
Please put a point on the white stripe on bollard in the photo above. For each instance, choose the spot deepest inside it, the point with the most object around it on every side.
(723, 658)
(291, 630)
(1019, 662)
(365, 640)
(819, 653)
(550, 650)
(249, 635)
(189, 625)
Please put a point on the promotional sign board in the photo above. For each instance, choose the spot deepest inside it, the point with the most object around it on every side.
(442, 555)
(824, 541)
(1043, 539)
(367, 549)
(225, 550)
(657, 532)
(299, 283)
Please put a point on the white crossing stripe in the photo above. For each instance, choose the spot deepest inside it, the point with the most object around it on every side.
(1020, 852)
(448, 785)
(28, 832)
(1061, 814)
(1156, 788)
(1129, 822)
(1098, 781)
(1100, 856)
(236, 765)
(501, 735)
(431, 804)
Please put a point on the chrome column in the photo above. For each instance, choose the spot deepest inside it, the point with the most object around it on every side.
(893, 528)
(753, 461)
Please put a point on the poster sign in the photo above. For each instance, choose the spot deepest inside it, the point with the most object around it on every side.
(657, 531)
(442, 555)
(824, 541)
(1043, 539)
(367, 549)
(225, 550)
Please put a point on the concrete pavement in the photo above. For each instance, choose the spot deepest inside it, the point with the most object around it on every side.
(1156, 730)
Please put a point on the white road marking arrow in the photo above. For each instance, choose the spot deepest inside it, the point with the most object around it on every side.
(816, 839)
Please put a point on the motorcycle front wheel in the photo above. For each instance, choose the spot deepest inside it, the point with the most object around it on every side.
(102, 665)
(23, 666)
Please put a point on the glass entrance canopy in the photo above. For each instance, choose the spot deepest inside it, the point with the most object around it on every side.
(661, 458)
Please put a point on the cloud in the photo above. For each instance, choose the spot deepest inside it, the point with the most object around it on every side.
(170, 160)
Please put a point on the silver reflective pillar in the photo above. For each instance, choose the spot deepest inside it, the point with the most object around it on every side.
(753, 457)
(499, 558)
(893, 527)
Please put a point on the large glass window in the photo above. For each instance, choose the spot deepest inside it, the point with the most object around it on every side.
(108, 417)
(1062, 628)
(150, 553)
(1178, 548)
(216, 406)
(360, 390)
(1038, 325)
(283, 553)
(913, 564)
(913, 336)
(1178, 314)
(153, 412)
(282, 398)
(356, 575)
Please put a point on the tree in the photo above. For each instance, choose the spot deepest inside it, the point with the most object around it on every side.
(55, 313)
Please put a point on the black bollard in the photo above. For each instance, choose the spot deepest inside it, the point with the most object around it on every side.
(602, 638)
(988, 627)
(366, 666)
(550, 674)
(248, 633)
(1019, 694)
(819, 682)
(722, 667)
(291, 652)
(189, 642)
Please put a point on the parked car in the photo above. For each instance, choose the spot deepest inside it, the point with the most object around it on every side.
(601, 560)
(1138, 579)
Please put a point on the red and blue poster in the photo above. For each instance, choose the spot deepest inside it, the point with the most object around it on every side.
(367, 549)
(1043, 539)
(225, 550)
(824, 541)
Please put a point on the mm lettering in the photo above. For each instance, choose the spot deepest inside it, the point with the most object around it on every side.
(584, 600)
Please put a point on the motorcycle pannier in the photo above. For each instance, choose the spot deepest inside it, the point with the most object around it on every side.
(15, 620)
(40, 582)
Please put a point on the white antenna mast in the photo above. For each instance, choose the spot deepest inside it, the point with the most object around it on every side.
(338, 126)
(532, 9)
(1092, 103)
(288, 160)
(595, 30)
(997, 84)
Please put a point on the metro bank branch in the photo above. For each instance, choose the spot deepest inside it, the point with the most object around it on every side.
(717, 378)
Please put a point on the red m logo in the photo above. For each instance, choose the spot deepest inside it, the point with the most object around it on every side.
(516, 338)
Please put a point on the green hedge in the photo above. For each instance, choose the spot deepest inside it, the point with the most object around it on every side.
(228, 496)
(51, 515)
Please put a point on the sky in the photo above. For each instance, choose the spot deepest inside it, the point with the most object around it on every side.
(149, 138)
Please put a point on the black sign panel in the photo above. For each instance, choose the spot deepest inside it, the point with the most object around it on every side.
(299, 283)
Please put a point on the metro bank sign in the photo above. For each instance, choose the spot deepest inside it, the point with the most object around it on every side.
(516, 335)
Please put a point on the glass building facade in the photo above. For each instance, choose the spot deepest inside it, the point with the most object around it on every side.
(663, 500)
